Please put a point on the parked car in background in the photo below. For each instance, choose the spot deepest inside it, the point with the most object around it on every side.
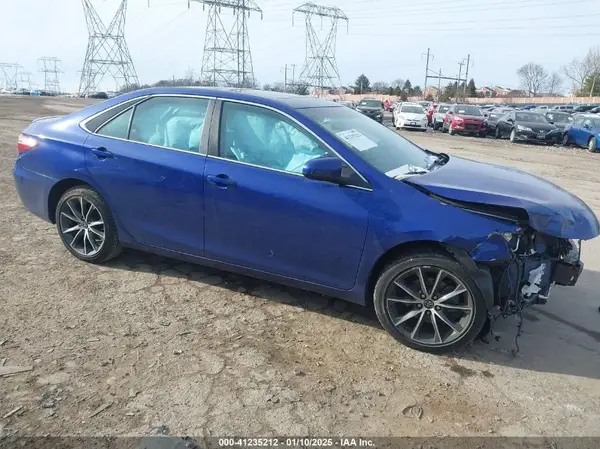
(424, 104)
(307, 193)
(99, 95)
(35, 93)
(430, 111)
(527, 126)
(595, 110)
(410, 116)
(439, 115)
(563, 107)
(583, 132)
(372, 108)
(349, 104)
(527, 107)
(584, 107)
(559, 119)
(542, 108)
(464, 119)
(492, 117)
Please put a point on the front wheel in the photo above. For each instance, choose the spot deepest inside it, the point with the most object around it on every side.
(497, 133)
(450, 130)
(513, 136)
(428, 301)
(565, 140)
(592, 145)
(86, 226)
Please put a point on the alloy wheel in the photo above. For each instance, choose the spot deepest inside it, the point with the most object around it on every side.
(82, 226)
(429, 305)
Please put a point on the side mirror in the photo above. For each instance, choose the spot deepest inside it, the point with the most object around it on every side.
(586, 126)
(510, 120)
(327, 169)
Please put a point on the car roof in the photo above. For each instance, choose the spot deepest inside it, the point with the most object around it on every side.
(407, 103)
(258, 96)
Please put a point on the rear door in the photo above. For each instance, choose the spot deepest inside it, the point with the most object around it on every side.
(149, 163)
(263, 214)
(576, 131)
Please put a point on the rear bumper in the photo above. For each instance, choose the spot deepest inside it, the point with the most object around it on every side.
(566, 273)
(34, 190)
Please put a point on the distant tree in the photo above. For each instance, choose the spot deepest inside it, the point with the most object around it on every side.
(591, 86)
(403, 96)
(449, 92)
(390, 91)
(429, 97)
(407, 87)
(362, 84)
(266, 87)
(533, 78)
(578, 71)
(380, 87)
(398, 91)
(471, 89)
(416, 91)
(398, 82)
(301, 89)
(555, 82)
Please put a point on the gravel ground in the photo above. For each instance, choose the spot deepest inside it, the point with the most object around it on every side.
(145, 341)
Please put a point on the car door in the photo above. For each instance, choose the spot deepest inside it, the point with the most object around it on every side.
(585, 132)
(148, 163)
(575, 131)
(263, 214)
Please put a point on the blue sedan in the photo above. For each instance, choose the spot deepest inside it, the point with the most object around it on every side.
(307, 193)
(584, 132)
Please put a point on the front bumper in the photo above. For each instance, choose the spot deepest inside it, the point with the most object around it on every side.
(567, 274)
(532, 136)
(408, 124)
(374, 115)
(468, 129)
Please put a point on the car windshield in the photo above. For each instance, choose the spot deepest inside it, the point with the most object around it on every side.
(370, 103)
(444, 108)
(531, 117)
(559, 117)
(595, 122)
(468, 110)
(377, 145)
(413, 109)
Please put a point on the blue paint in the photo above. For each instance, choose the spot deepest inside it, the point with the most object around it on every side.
(284, 227)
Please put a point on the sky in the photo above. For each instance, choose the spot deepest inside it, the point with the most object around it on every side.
(385, 40)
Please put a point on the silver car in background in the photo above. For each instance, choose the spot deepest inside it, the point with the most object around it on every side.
(439, 115)
(410, 116)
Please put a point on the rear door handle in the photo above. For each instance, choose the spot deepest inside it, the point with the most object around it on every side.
(221, 180)
(102, 153)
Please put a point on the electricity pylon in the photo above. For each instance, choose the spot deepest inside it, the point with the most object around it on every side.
(50, 67)
(107, 51)
(320, 67)
(227, 60)
(11, 75)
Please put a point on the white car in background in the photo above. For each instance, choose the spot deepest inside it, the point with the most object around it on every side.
(410, 116)
(439, 115)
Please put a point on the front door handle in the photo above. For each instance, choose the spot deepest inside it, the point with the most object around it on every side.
(102, 153)
(221, 180)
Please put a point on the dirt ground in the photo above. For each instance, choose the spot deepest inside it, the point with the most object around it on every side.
(143, 341)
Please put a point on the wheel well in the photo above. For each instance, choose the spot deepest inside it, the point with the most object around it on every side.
(395, 253)
(57, 192)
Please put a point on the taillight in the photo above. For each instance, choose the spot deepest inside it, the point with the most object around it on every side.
(26, 143)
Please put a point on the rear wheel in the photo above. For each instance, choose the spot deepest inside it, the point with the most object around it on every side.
(592, 145)
(86, 226)
(497, 133)
(429, 302)
(565, 140)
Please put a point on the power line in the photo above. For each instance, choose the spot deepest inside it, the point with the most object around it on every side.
(51, 68)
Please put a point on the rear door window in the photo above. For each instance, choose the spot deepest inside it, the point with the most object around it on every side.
(170, 122)
(117, 127)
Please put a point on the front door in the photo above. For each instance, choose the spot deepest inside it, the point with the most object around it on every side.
(263, 214)
(149, 164)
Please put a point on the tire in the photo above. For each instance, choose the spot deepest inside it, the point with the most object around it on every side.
(68, 207)
(450, 130)
(482, 135)
(425, 312)
(497, 133)
(513, 135)
(592, 146)
(565, 140)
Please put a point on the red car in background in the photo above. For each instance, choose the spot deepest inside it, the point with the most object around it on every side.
(430, 111)
(464, 119)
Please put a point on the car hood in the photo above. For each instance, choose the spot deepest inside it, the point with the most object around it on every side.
(561, 125)
(550, 209)
(470, 117)
(538, 126)
(412, 115)
(368, 108)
